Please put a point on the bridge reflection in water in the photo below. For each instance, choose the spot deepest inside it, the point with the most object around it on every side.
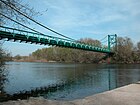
(70, 83)
(63, 81)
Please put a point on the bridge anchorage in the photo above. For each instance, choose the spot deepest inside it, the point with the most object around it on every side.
(42, 39)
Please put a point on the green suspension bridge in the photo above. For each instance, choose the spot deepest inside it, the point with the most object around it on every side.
(43, 39)
(37, 38)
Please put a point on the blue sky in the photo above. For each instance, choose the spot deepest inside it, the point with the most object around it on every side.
(83, 18)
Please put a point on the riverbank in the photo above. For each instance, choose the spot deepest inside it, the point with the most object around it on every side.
(46, 61)
(127, 95)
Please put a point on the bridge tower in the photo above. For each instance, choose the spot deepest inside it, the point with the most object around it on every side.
(112, 42)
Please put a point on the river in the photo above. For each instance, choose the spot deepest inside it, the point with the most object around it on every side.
(64, 81)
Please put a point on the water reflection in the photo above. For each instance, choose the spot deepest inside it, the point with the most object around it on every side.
(3, 80)
(128, 74)
(65, 81)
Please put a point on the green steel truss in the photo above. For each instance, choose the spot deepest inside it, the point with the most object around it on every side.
(26, 36)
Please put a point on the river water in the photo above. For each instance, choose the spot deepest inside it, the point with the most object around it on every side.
(66, 81)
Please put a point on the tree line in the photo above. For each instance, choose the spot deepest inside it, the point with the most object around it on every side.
(127, 52)
(4, 55)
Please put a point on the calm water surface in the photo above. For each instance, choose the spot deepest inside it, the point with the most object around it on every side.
(66, 81)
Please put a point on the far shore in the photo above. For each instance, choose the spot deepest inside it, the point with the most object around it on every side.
(46, 61)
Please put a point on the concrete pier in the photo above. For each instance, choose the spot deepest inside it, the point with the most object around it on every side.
(127, 95)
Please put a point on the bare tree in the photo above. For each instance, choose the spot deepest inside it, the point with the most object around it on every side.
(125, 49)
(138, 45)
(24, 8)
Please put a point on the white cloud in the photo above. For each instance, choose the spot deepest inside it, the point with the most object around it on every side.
(85, 16)
(68, 12)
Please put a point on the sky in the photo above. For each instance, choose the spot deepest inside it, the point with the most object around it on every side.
(83, 19)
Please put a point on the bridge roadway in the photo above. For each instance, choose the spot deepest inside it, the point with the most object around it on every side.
(37, 38)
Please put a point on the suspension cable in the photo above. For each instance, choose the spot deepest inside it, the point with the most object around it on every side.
(103, 39)
(21, 24)
(37, 32)
(16, 9)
